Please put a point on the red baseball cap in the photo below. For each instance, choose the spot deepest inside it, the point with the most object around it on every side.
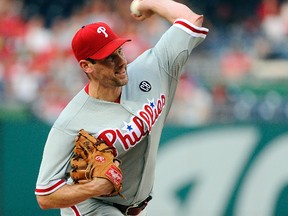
(96, 41)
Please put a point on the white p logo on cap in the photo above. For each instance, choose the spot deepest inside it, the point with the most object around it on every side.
(102, 29)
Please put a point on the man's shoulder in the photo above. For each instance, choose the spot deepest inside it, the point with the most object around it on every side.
(72, 108)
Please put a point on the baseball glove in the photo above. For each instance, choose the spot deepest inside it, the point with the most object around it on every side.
(94, 158)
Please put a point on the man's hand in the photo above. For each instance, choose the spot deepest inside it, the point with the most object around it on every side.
(143, 6)
(93, 158)
(102, 186)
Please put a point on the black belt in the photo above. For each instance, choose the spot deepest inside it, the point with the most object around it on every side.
(133, 209)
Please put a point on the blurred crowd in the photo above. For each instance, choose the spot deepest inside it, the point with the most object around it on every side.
(38, 71)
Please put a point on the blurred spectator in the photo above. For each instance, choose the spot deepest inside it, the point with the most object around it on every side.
(235, 64)
(273, 16)
(192, 104)
(2, 85)
(267, 8)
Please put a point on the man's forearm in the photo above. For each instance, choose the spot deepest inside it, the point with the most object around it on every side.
(66, 196)
(171, 10)
(70, 195)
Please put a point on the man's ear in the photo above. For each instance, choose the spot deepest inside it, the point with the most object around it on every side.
(86, 66)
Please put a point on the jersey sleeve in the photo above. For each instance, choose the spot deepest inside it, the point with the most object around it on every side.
(55, 165)
(172, 52)
(176, 45)
(161, 66)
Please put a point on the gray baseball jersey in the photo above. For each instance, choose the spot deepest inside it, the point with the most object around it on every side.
(132, 126)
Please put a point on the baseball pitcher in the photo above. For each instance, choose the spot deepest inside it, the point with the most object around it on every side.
(99, 157)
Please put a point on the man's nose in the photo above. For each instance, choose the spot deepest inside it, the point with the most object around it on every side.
(121, 60)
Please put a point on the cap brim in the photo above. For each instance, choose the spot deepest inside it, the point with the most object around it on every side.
(109, 48)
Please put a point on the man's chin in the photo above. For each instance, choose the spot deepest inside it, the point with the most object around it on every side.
(122, 82)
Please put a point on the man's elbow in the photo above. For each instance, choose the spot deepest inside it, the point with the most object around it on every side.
(43, 202)
(199, 21)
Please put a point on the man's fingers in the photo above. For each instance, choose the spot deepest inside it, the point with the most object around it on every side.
(117, 162)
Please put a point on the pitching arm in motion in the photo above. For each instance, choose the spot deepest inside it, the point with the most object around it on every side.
(169, 10)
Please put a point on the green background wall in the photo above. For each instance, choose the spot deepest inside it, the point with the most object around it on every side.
(22, 144)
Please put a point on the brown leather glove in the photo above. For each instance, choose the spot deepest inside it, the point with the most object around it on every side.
(94, 158)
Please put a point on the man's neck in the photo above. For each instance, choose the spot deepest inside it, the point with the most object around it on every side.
(106, 94)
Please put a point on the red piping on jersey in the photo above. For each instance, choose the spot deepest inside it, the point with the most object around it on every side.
(39, 191)
(86, 89)
(191, 27)
(75, 210)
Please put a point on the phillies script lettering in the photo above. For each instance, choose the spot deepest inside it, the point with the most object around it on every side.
(138, 127)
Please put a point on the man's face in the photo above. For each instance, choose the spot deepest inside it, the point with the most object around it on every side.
(112, 71)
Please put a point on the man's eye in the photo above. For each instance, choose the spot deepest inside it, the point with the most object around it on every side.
(110, 58)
